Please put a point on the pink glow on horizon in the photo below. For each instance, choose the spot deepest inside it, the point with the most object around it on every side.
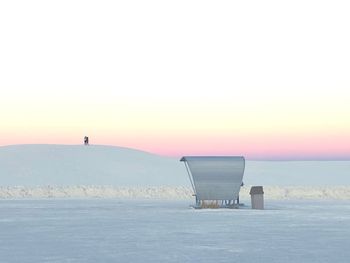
(253, 147)
(266, 147)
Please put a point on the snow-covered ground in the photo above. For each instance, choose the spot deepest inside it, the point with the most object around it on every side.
(110, 230)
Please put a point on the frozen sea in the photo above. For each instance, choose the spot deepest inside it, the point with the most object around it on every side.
(114, 230)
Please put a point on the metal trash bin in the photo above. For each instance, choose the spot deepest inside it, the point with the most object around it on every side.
(257, 197)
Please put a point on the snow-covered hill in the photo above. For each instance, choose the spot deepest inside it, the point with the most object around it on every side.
(65, 165)
(297, 173)
(94, 165)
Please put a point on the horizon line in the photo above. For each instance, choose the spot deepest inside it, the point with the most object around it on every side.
(251, 158)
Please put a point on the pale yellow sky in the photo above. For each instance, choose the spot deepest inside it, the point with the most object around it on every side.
(169, 76)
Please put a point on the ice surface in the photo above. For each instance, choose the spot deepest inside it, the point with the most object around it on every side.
(100, 230)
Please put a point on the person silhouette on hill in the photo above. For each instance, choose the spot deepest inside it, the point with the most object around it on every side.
(86, 140)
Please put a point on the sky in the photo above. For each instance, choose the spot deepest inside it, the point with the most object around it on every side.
(263, 79)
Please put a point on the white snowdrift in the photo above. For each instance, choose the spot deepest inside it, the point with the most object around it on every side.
(96, 192)
(166, 192)
(302, 192)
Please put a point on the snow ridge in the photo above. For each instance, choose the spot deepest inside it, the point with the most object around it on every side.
(167, 192)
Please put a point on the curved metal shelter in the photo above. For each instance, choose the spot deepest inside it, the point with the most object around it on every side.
(216, 178)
